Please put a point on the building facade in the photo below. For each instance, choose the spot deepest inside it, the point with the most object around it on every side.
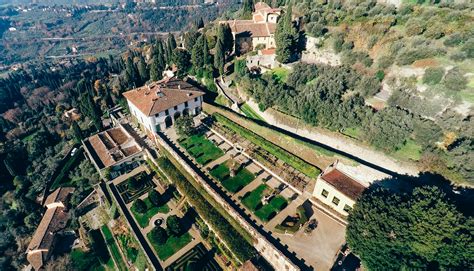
(157, 106)
(337, 190)
(256, 33)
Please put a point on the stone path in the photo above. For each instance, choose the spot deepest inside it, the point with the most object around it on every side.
(289, 210)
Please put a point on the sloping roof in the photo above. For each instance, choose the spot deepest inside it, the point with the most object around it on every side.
(342, 182)
(38, 250)
(59, 195)
(111, 146)
(261, 5)
(159, 96)
(252, 29)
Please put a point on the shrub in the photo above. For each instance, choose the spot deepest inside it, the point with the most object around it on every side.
(316, 29)
(135, 184)
(458, 56)
(454, 80)
(159, 235)
(338, 42)
(140, 206)
(411, 55)
(348, 45)
(433, 76)
(173, 224)
(454, 39)
(385, 61)
(380, 75)
(415, 27)
(155, 198)
(468, 48)
(372, 41)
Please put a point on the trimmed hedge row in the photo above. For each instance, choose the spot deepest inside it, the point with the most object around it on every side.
(234, 240)
(294, 161)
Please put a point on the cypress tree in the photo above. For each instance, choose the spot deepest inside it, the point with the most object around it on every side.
(77, 132)
(155, 69)
(170, 46)
(286, 37)
(228, 38)
(219, 57)
(142, 70)
(247, 8)
(197, 55)
(205, 52)
(131, 73)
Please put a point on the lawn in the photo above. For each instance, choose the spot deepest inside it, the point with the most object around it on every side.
(269, 210)
(144, 219)
(294, 161)
(110, 241)
(233, 184)
(353, 132)
(82, 260)
(281, 74)
(202, 149)
(410, 150)
(253, 199)
(249, 112)
(62, 178)
(172, 245)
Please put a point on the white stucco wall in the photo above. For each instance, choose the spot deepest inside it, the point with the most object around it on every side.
(332, 192)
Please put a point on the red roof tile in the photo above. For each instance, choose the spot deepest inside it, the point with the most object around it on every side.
(342, 182)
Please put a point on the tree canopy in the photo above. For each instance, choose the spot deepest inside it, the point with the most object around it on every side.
(418, 229)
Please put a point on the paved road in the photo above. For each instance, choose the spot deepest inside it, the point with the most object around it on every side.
(146, 247)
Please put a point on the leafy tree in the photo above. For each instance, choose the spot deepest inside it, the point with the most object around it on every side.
(219, 57)
(155, 198)
(140, 206)
(468, 48)
(455, 80)
(286, 37)
(419, 229)
(173, 224)
(241, 67)
(159, 235)
(185, 126)
(338, 42)
(433, 76)
(77, 132)
(181, 58)
(170, 47)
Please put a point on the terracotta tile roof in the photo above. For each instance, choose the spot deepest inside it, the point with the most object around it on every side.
(159, 96)
(345, 184)
(40, 246)
(258, 18)
(252, 29)
(270, 51)
(59, 195)
(111, 146)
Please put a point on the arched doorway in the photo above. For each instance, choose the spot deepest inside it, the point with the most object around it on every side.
(177, 115)
(186, 112)
(168, 122)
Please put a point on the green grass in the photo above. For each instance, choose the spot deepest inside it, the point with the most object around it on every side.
(62, 179)
(233, 184)
(269, 210)
(82, 260)
(353, 132)
(294, 161)
(144, 219)
(292, 229)
(281, 74)
(114, 250)
(202, 149)
(249, 112)
(172, 245)
(253, 199)
(411, 150)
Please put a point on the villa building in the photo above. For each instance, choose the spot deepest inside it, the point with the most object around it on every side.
(258, 32)
(53, 222)
(113, 150)
(156, 106)
(337, 189)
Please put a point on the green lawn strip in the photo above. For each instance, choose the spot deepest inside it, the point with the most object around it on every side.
(269, 210)
(249, 112)
(239, 181)
(232, 234)
(61, 178)
(354, 132)
(114, 250)
(410, 150)
(280, 74)
(82, 260)
(296, 162)
(202, 149)
(252, 200)
(221, 172)
(172, 245)
(144, 219)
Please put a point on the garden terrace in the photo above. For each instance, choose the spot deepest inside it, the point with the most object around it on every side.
(172, 245)
(198, 258)
(201, 148)
(130, 193)
(233, 184)
(253, 200)
(269, 210)
(290, 167)
(113, 248)
(143, 219)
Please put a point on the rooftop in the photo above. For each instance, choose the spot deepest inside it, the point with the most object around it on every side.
(59, 195)
(111, 146)
(252, 29)
(159, 96)
(342, 182)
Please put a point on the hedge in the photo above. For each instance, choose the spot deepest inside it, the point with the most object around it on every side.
(294, 161)
(234, 240)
